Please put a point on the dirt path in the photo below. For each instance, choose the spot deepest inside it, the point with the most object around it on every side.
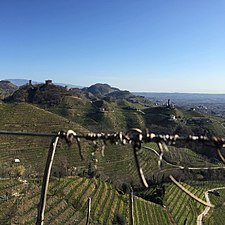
(207, 208)
(182, 167)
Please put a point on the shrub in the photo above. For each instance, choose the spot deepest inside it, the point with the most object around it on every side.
(119, 220)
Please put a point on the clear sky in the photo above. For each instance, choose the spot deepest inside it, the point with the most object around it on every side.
(138, 45)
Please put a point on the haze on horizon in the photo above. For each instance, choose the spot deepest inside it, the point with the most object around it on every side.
(155, 46)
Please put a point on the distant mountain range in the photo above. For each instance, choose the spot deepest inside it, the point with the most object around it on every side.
(105, 89)
(6, 88)
(21, 82)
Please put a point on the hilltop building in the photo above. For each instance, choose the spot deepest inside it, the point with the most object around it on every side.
(48, 82)
(170, 105)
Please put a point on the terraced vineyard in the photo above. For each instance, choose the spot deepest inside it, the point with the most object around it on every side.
(184, 209)
(216, 216)
(206, 185)
(118, 163)
(149, 213)
(67, 198)
(217, 198)
(67, 203)
(181, 206)
(32, 152)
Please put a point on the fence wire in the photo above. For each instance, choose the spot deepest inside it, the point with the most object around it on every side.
(134, 137)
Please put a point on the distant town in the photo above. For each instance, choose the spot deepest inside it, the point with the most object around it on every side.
(212, 104)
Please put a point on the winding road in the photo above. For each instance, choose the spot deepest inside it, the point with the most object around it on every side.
(207, 208)
(182, 167)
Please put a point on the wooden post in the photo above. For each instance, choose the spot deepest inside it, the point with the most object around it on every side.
(89, 212)
(131, 206)
(45, 181)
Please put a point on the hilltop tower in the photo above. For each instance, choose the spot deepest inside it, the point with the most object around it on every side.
(48, 82)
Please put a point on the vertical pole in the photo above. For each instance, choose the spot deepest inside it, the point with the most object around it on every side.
(89, 212)
(131, 206)
(136, 148)
(45, 181)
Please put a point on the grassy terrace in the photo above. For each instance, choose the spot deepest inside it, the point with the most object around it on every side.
(33, 151)
(181, 206)
(67, 198)
(216, 216)
(67, 203)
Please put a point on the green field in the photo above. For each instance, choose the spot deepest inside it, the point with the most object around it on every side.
(67, 203)
(71, 185)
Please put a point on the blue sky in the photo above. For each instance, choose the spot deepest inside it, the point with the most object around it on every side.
(138, 45)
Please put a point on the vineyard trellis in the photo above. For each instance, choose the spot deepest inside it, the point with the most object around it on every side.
(134, 136)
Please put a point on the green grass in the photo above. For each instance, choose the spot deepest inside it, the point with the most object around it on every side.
(106, 203)
(181, 206)
(118, 163)
(68, 197)
(216, 215)
(67, 203)
(32, 152)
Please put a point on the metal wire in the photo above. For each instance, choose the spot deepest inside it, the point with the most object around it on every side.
(17, 133)
(127, 138)
(135, 137)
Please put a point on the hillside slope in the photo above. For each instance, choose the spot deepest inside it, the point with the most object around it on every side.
(118, 163)
(67, 204)
(104, 108)
(32, 151)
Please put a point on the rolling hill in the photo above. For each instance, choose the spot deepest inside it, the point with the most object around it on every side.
(51, 108)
